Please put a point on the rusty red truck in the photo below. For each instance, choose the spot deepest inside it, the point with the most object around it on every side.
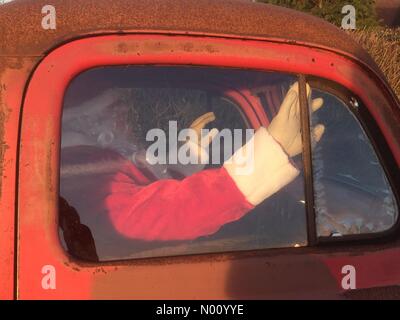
(105, 72)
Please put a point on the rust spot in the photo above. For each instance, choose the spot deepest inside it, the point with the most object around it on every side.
(4, 116)
(211, 49)
(49, 169)
(188, 47)
(156, 46)
(15, 63)
(122, 47)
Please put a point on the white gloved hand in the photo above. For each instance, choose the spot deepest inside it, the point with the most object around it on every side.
(198, 150)
(285, 127)
(260, 168)
(197, 146)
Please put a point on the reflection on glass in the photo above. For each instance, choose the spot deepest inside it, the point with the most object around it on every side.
(118, 200)
(352, 194)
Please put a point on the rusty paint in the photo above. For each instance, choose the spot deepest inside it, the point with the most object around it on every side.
(236, 18)
(14, 72)
(239, 19)
(49, 171)
(4, 117)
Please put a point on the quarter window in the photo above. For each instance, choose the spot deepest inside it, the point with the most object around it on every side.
(352, 193)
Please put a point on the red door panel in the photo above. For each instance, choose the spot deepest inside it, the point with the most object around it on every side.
(283, 273)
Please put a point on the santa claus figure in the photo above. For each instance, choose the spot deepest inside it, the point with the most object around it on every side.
(151, 202)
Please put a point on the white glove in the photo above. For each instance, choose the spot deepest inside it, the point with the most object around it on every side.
(286, 126)
(260, 168)
(197, 146)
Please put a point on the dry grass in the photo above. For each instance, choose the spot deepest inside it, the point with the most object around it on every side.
(384, 46)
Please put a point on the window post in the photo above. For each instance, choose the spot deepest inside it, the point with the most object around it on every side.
(307, 161)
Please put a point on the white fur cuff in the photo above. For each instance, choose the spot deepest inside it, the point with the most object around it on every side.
(270, 171)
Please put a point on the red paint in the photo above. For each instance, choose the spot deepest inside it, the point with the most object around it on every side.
(12, 82)
(372, 270)
(169, 278)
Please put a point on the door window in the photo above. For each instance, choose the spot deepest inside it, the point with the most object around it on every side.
(128, 187)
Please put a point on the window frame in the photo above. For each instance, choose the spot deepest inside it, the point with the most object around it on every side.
(245, 107)
(37, 228)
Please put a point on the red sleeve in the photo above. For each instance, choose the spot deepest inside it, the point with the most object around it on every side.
(175, 209)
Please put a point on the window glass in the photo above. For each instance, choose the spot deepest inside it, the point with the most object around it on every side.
(132, 186)
(352, 193)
